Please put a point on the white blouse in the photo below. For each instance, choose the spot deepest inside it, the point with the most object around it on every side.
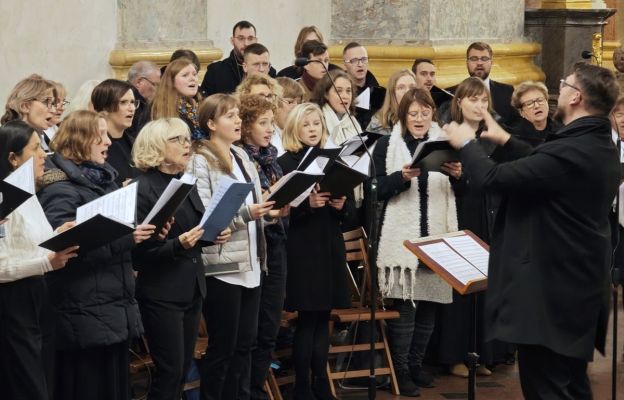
(20, 255)
(249, 279)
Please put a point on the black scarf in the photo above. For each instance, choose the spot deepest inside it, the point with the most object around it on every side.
(265, 159)
(97, 174)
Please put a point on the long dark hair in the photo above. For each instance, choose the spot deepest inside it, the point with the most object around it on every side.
(14, 136)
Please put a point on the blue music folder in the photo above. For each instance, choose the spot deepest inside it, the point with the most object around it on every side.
(223, 206)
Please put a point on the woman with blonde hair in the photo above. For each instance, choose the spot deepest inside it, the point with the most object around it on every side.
(314, 285)
(170, 283)
(531, 100)
(32, 100)
(398, 84)
(261, 85)
(92, 298)
(177, 95)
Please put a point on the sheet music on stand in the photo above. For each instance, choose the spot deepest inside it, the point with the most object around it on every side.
(459, 258)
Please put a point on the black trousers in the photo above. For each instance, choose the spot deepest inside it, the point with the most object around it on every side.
(97, 373)
(21, 366)
(231, 314)
(171, 332)
(546, 375)
(273, 291)
(310, 348)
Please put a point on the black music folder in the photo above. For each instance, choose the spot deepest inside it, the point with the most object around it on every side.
(431, 154)
(315, 152)
(292, 186)
(345, 174)
(169, 201)
(90, 234)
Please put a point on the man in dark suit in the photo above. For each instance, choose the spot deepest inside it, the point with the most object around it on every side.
(549, 279)
(223, 76)
(479, 59)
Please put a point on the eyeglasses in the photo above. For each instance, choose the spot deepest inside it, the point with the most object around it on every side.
(290, 101)
(424, 114)
(49, 102)
(62, 103)
(180, 139)
(150, 81)
(125, 103)
(563, 83)
(242, 38)
(261, 66)
(482, 59)
(534, 102)
(356, 61)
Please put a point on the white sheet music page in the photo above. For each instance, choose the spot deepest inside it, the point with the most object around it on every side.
(444, 255)
(119, 205)
(471, 251)
(224, 184)
(363, 100)
(23, 177)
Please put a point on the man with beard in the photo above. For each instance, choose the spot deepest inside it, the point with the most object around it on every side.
(479, 58)
(223, 76)
(548, 289)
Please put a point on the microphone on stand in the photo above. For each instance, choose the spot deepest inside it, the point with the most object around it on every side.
(372, 214)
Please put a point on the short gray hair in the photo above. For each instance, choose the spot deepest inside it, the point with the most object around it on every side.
(140, 69)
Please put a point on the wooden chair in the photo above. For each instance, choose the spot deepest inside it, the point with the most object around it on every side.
(356, 244)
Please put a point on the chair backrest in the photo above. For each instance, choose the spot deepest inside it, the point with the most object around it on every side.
(356, 246)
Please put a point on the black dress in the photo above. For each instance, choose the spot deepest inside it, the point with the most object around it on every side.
(120, 157)
(317, 274)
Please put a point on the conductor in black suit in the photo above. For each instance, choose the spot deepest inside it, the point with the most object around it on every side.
(549, 278)
(479, 59)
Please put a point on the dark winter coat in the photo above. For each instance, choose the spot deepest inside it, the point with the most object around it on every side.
(93, 296)
(224, 76)
(317, 271)
(551, 245)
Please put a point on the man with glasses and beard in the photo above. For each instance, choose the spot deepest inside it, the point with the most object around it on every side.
(549, 279)
(223, 76)
(479, 59)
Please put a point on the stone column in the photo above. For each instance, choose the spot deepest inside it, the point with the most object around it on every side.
(153, 30)
(396, 32)
(564, 34)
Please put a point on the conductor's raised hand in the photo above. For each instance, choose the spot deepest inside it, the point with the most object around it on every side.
(258, 210)
(189, 239)
(142, 232)
(494, 132)
(59, 259)
(318, 199)
(459, 134)
(224, 236)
